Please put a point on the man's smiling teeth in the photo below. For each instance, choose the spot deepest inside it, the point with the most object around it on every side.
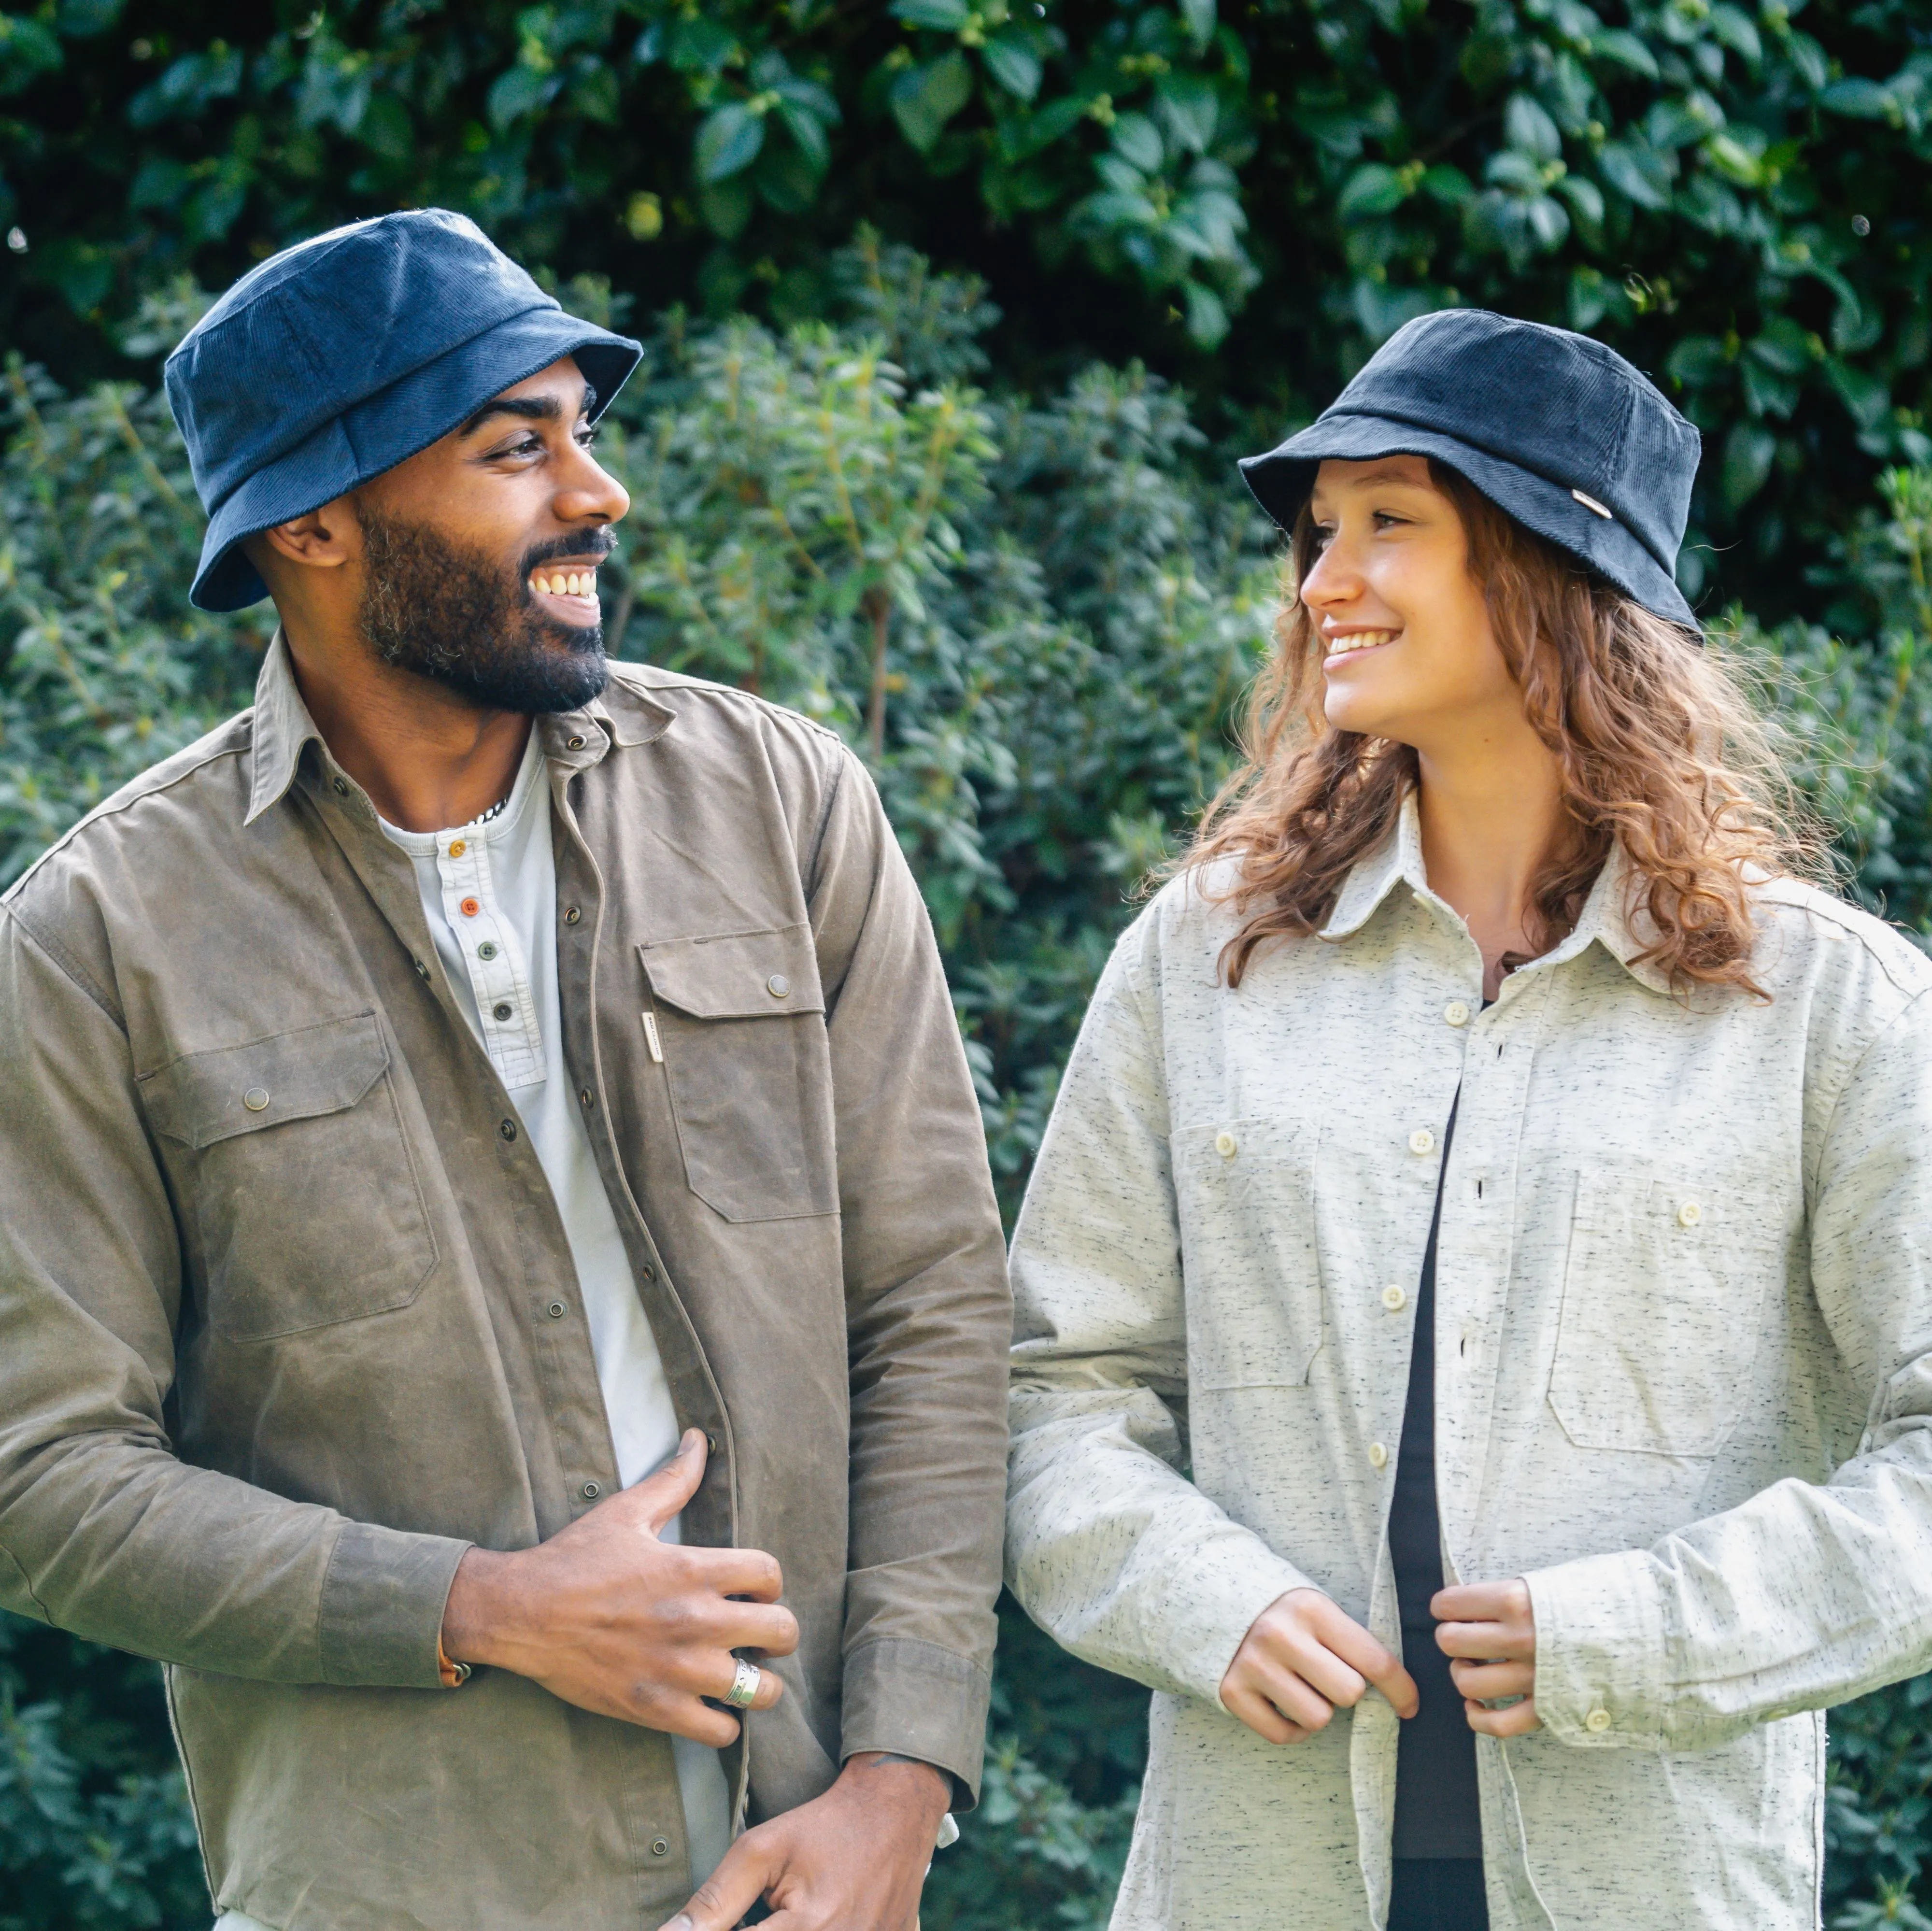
(1359, 639)
(566, 582)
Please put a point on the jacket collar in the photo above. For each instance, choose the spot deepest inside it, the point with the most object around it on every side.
(624, 713)
(1607, 918)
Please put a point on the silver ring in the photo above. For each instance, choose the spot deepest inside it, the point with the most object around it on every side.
(745, 1681)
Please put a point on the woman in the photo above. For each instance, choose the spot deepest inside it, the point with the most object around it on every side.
(1474, 1295)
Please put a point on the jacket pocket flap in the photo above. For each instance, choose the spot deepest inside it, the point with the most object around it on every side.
(736, 975)
(204, 1097)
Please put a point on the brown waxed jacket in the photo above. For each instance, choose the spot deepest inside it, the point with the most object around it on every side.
(268, 1368)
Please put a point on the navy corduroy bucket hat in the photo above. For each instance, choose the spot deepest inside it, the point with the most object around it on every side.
(345, 355)
(1557, 431)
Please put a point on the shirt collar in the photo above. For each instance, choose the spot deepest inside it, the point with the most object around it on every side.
(623, 714)
(1607, 917)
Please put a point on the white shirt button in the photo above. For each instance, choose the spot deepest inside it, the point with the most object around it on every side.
(1394, 1300)
(1597, 1721)
(1226, 1145)
(1456, 1013)
(1689, 1214)
(1377, 1455)
(1422, 1140)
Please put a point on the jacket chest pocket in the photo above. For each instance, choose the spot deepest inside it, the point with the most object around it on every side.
(1663, 1293)
(738, 1022)
(296, 1178)
(1245, 1196)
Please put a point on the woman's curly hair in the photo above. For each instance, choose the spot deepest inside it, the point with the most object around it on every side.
(1656, 743)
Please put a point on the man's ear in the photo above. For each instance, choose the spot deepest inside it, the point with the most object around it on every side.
(324, 539)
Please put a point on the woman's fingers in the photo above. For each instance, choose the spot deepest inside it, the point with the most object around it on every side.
(1366, 1658)
(1260, 1715)
(1484, 1682)
(1516, 1721)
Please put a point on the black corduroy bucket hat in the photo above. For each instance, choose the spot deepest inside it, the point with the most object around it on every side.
(1557, 431)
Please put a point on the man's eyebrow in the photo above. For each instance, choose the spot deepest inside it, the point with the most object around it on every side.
(527, 408)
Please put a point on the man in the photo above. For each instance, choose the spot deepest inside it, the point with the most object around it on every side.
(428, 1102)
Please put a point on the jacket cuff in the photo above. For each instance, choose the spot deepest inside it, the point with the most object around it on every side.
(917, 1700)
(1599, 1651)
(380, 1621)
(1229, 1584)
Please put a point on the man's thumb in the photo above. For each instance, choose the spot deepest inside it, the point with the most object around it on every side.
(665, 1492)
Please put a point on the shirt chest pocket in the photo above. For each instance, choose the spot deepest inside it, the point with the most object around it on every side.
(1245, 1196)
(295, 1179)
(1663, 1293)
(738, 1023)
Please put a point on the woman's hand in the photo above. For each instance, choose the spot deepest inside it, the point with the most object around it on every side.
(1301, 1661)
(1489, 1629)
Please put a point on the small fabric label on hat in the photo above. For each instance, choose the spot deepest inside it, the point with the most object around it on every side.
(1591, 503)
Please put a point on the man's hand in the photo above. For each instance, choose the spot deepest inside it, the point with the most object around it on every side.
(1302, 1660)
(1490, 1628)
(608, 1618)
(853, 1860)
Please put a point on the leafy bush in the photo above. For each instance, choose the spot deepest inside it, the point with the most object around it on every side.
(1733, 190)
(1035, 616)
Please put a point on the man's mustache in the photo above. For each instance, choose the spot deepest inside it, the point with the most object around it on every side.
(592, 544)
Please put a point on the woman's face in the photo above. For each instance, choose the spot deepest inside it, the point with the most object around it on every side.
(1408, 651)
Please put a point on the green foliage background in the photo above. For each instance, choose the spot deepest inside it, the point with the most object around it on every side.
(979, 515)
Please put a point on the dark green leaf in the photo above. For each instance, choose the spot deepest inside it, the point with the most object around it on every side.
(1861, 99)
(1199, 15)
(1189, 109)
(1527, 127)
(728, 143)
(925, 98)
(1014, 64)
(1748, 451)
(1627, 50)
(1638, 172)
(1372, 189)
(943, 17)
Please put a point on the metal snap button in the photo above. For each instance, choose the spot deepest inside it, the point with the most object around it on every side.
(508, 1129)
(573, 744)
(592, 1490)
(556, 1310)
(778, 985)
(422, 970)
(256, 1098)
(571, 913)
(342, 788)
(659, 1848)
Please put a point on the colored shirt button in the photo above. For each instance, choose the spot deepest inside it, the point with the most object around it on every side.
(487, 949)
(1422, 1140)
(469, 908)
(1394, 1300)
(501, 1009)
(457, 847)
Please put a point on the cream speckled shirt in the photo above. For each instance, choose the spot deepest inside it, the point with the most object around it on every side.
(1684, 1309)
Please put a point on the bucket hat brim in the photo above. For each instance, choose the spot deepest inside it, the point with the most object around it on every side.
(1281, 482)
(392, 425)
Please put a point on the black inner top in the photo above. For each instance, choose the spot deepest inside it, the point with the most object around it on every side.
(1436, 1812)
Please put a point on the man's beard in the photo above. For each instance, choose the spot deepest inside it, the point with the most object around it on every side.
(455, 616)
